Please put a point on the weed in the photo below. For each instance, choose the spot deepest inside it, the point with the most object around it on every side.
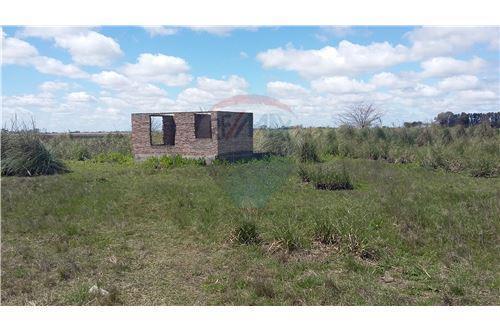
(113, 157)
(326, 232)
(247, 233)
(326, 176)
(167, 162)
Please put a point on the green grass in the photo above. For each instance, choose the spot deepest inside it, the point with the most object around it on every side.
(250, 233)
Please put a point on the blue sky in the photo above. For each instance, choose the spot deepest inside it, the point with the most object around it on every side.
(92, 78)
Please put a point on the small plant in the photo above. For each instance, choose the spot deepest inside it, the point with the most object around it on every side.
(166, 162)
(326, 233)
(326, 177)
(247, 233)
(289, 235)
(113, 157)
(24, 154)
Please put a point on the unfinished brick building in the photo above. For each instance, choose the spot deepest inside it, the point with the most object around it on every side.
(209, 135)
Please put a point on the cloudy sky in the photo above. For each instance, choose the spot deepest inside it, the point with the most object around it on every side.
(90, 79)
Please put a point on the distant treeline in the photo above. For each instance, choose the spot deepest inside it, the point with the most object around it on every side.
(449, 119)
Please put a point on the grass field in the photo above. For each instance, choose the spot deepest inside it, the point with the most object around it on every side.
(250, 233)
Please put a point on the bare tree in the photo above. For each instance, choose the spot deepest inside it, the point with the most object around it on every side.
(361, 115)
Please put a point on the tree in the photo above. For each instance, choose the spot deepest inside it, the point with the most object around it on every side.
(361, 115)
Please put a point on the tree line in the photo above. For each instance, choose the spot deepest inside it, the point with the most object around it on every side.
(449, 119)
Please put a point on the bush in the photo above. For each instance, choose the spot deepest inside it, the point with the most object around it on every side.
(424, 138)
(81, 153)
(483, 166)
(307, 150)
(326, 177)
(24, 154)
(278, 142)
(332, 145)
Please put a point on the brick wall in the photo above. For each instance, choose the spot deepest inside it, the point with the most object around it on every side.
(232, 133)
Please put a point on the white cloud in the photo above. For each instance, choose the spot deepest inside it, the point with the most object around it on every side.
(388, 79)
(53, 66)
(221, 31)
(19, 52)
(460, 82)
(327, 32)
(91, 48)
(434, 41)
(160, 30)
(347, 58)
(479, 95)
(29, 100)
(86, 47)
(79, 97)
(53, 86)
(285, 89)
(210, 91)
(169, 70)
(340, 85)
(233, 85)
(51, 32)
(416, 91)
(16, 51)
(111, 80)
(446, 66)
(243, 55)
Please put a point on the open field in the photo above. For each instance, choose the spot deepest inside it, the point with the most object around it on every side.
(250, 233)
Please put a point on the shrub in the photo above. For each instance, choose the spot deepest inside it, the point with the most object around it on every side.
(24, 154)
(307, 150)
(277, 142)
(332, 145)
(347, 149)
(432, 158)
(424, 138)
(380, 134)
(326, 177)
(81, 153)
(446, 137)
(482, 166)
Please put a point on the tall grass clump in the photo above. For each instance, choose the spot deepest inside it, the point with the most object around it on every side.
(24, 154)
(326, 176)
(247, 233)
(307, 148)
(276, 141)
(72, 147)
(289, 235)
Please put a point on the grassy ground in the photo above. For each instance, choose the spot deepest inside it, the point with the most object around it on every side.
(403, 235)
